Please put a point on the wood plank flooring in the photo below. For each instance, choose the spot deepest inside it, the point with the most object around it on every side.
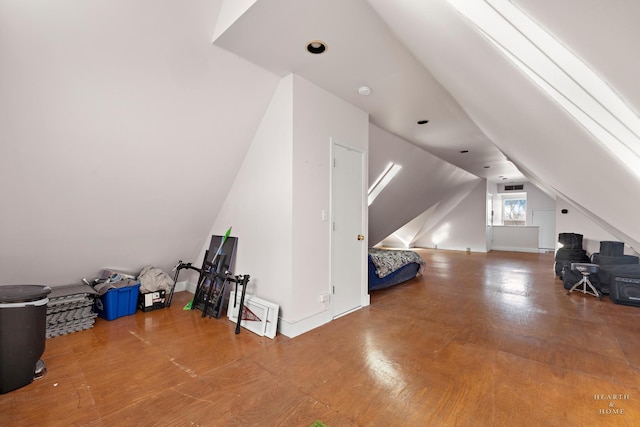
(479, 340)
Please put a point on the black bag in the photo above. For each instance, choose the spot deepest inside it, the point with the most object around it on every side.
(575, 255)
(570, 240)
(608, 248)
(564, 257)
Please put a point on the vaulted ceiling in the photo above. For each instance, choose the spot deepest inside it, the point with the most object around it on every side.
(427, 61)
(122, 126)
(363, 51)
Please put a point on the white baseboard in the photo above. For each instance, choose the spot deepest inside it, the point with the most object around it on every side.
(293, 329)
(366, 300)
(185, 286)
(451, 248)
(514, 249)
(288, 329)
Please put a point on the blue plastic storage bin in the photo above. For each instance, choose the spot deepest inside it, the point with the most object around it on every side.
(118, 302)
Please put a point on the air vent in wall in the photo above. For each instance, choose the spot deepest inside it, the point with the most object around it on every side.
(518, 187)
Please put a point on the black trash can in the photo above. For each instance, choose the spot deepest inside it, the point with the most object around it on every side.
(23, 321)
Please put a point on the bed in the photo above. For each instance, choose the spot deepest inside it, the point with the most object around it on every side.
(389, 267)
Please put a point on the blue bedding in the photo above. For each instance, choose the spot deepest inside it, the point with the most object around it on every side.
(406, 270)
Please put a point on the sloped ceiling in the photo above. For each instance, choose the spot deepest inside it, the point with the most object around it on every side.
(122, 126)
(121, 131)
(424, 181)
(362, 51)
(546, 143)
(604, 35)
(425, 60)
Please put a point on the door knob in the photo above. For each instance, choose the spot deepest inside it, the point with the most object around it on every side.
(360, 237)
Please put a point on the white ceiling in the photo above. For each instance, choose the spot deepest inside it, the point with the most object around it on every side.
(363, 51)
(113, 113)
(425, 60)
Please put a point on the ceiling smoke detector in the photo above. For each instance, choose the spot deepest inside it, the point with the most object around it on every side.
(364, 90)
(316, 47)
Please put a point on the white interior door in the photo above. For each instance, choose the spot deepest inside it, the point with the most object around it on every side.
(546, 221)
(348, 245)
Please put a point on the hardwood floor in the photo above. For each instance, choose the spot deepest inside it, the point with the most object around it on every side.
(479, 340)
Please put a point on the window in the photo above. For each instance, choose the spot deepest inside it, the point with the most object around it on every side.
(385, 178)
(514, 211)
(563, 75)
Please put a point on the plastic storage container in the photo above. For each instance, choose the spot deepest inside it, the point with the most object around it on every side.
(118, 302)
(23, 320)
(150, 301)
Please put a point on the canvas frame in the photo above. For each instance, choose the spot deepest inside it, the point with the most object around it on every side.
(266, 312)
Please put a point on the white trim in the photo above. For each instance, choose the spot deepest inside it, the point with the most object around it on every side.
(185, 286)
(348, 312)
(366, 299)
(454, 248)
(516, 249)
(293, 329)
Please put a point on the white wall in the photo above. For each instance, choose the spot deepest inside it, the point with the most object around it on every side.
(121, 131)
(541, 138)
(423, 181)
(259, 206)
(537, 200)
(276, 202)
(575, 221)
(515, 238)
(318, 116)
(462, 225)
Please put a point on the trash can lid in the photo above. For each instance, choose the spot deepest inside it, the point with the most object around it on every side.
(22, 293)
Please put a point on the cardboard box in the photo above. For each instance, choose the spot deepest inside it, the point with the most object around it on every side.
(150, 301)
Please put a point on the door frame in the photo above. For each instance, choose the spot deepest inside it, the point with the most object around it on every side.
(490, 213)
(364, 289)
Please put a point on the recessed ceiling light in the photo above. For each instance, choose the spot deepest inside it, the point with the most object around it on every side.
(364, 90)
(464, 151)
(423, 122)
(316, 47)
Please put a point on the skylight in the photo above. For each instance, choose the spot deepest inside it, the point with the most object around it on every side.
(560, 73)
(383, 180)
